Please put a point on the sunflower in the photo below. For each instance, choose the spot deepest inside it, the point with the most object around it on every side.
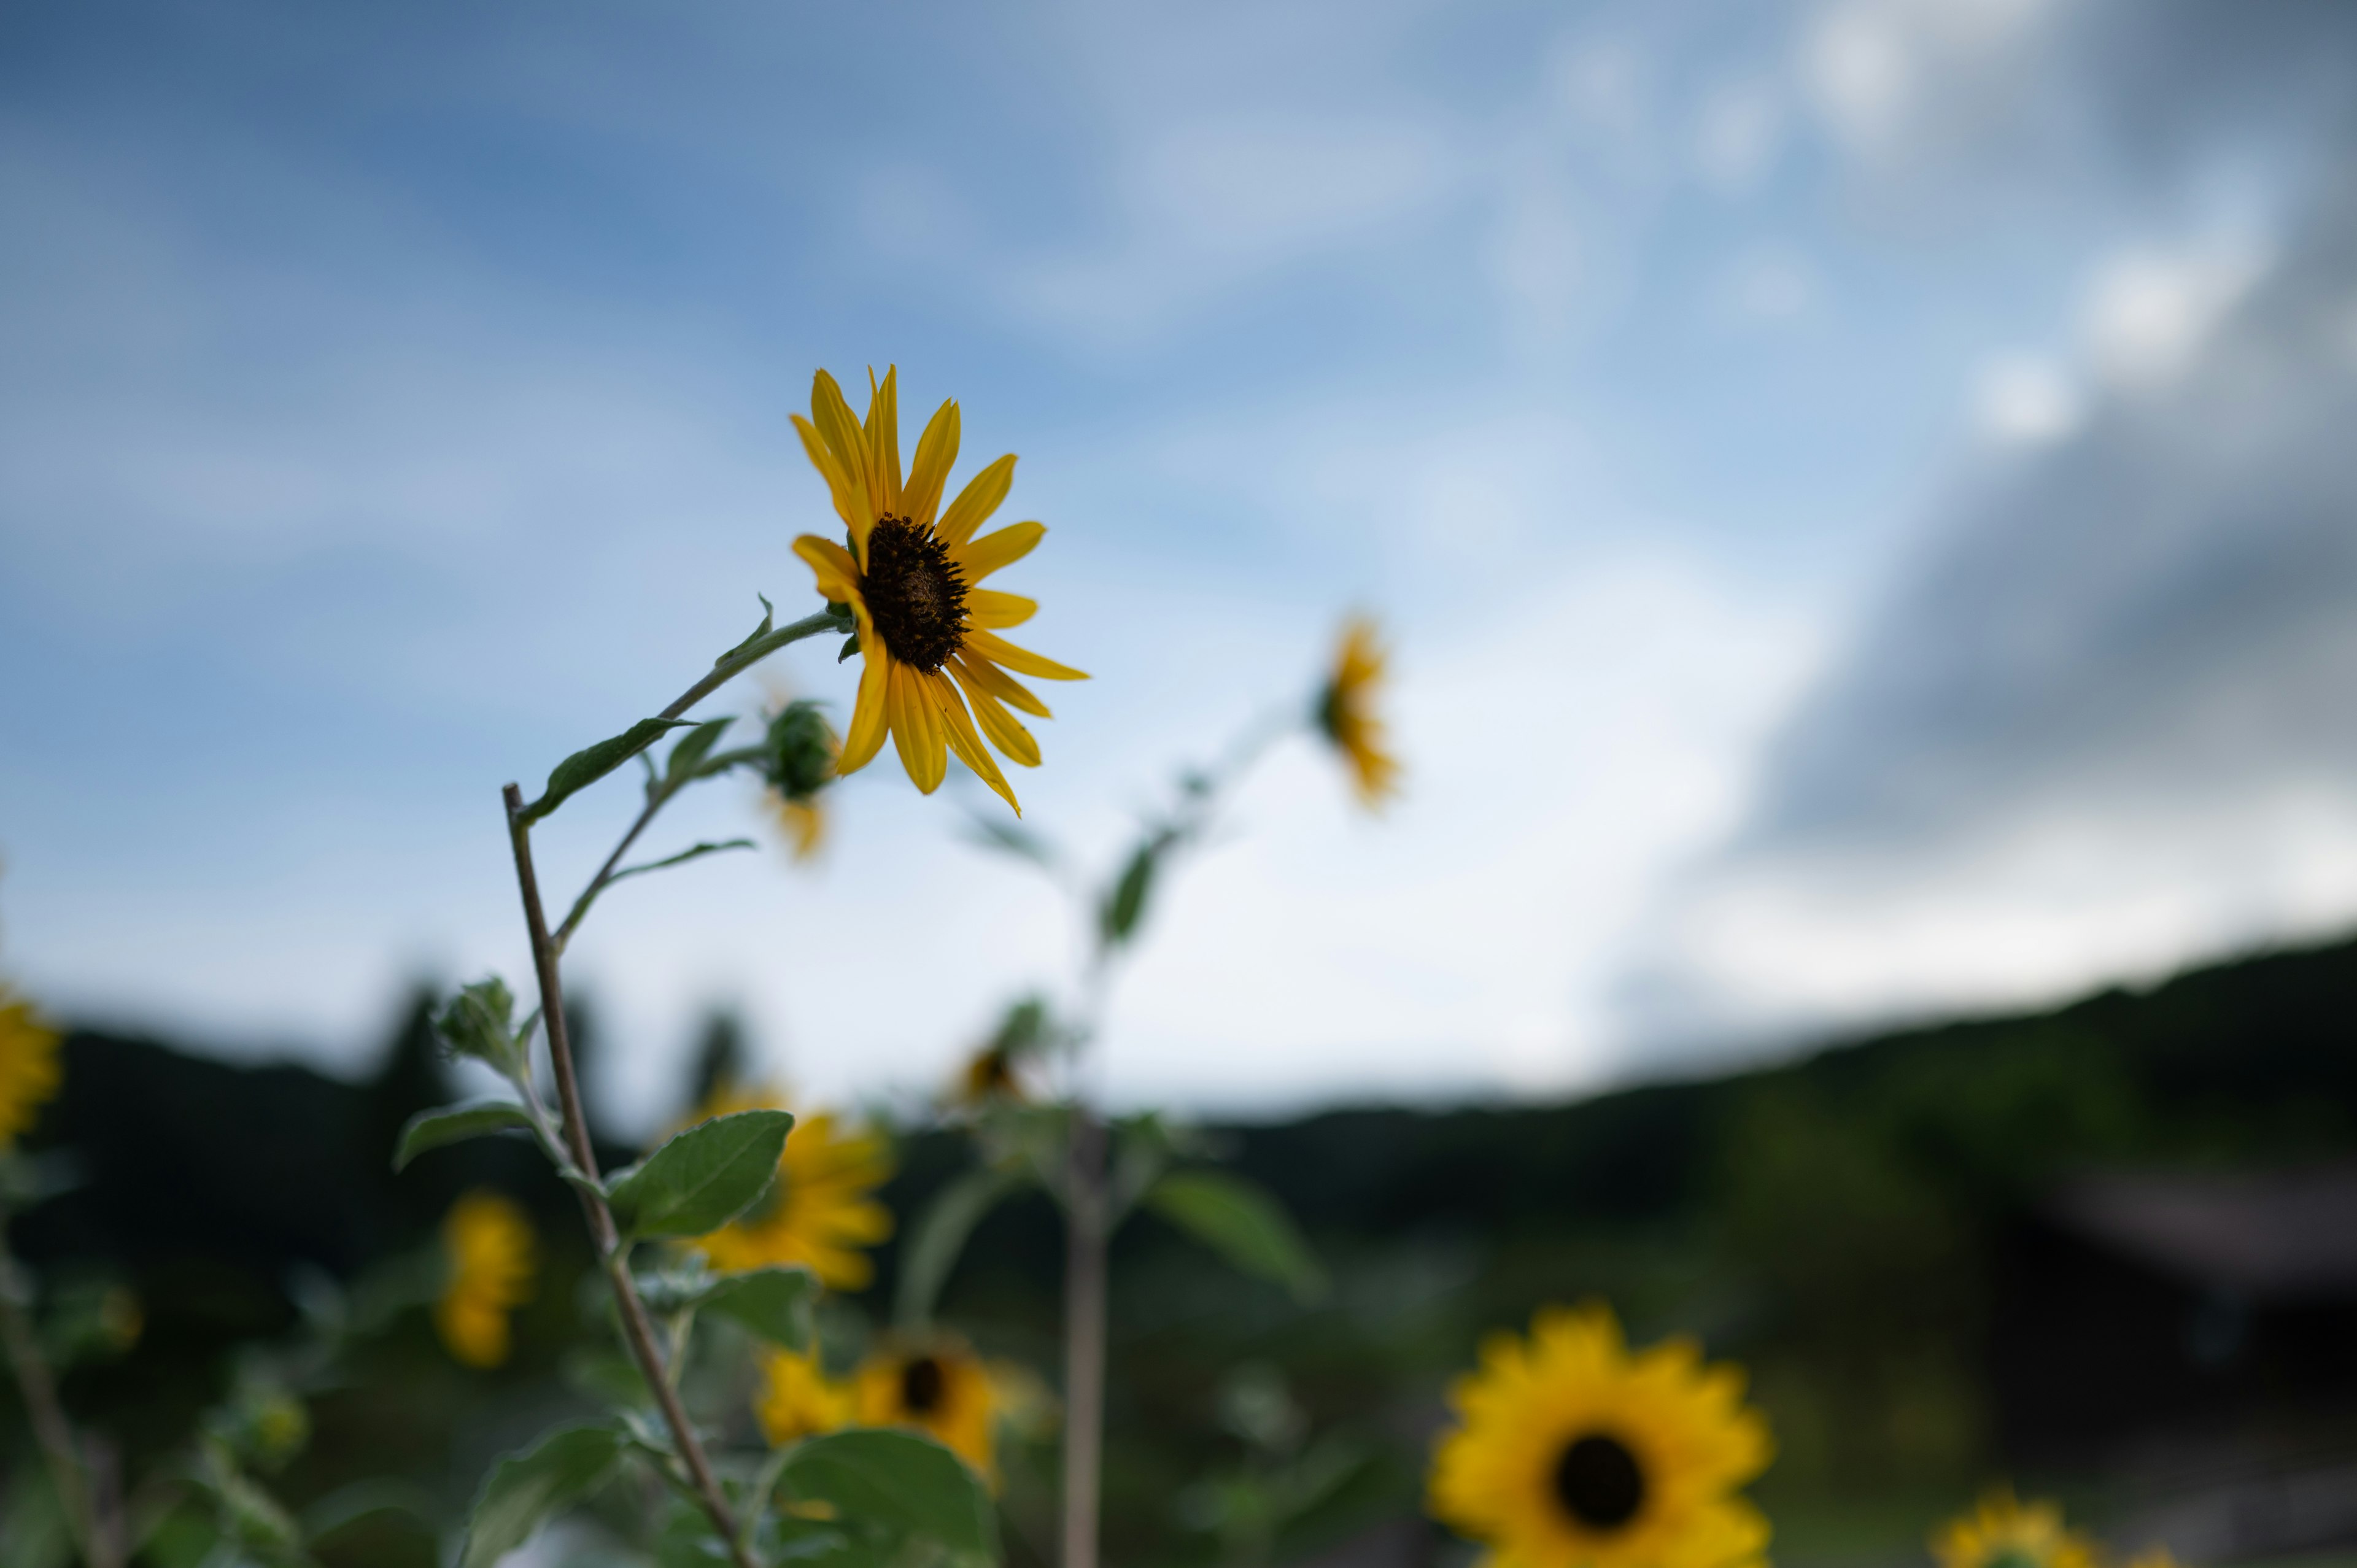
(1345, 715)
(818, 1213)
(798, 1400)
(491, 1257)
(2003, 1533)
(1574, 1454)
(798, 756)
(939, 1388)
(802, 821)
(28, 1067)
(928, 637)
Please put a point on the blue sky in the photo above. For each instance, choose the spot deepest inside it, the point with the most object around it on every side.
(396, 400)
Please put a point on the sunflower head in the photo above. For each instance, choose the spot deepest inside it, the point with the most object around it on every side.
(2004, 1533)
(820, 1213)
(937, 1386)
(798, 754)
(934, 672)
(798, 1400)
(29, 1073)
(1345, 712)
(1570, 1452)
(491, 1256)
(997, 1071)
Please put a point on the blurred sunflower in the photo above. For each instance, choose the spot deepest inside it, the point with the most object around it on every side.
(1345, 714)
(798, 756)
(939, 1388)
(2003, 1533)
(819, 1212)
(491, 1256)
(928, 635)
(798, 1400)
(1572, 1453)
(28, 1067)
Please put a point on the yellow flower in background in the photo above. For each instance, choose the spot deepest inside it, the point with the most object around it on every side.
(798, 1400)
(1573, 1452)
(491, 1256)
(802, 821)
(29, 1073)
(820, 1212)
(938, 1387)
(2003, 1533)
(928, 636)
(989, 1075)
(1346, 713)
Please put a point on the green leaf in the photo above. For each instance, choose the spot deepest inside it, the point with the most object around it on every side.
(850, 647)
(480, 1022)
(523, 1491)
(692, 748)
(453, 1124)
(773, 1303)
(702, 1179)
(585, 766)
(768, 615)
(1121, 911)
(1242, 1223)
(698, 852)
(940, 1235)
(1016, 841)
(901, 1481)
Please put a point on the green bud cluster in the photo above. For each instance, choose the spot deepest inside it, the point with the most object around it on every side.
(798, 753)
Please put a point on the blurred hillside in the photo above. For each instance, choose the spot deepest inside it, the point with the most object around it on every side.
(2111, 1247)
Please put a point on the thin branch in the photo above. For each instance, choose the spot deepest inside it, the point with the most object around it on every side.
(656, 797)
(636, 1327)
(68, 1474)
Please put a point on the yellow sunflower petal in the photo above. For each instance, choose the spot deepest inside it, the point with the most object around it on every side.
(997, 610)
(990, 678)
(841, 431)
(1022, 660)
(838, 488)
(936, 450)
(831, 564)
(869, 714)
(1004, 731)
(882, 428)
(987, 555)
(917, 729)
(977, 502)
(958, 730)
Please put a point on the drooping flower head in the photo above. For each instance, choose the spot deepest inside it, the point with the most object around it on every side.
(937, 1386)
(1573, 1452)
(928, 632)
(798, 1400)
(28, 1067)
(1346, 715)
(2004, 1533)
(820, 1213)
(798, 762)
(491, 1256)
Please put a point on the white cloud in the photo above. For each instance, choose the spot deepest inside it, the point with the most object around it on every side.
(2027, 398)
(1739, 132)
(2148, 310)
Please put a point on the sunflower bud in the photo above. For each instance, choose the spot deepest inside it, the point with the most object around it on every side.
(798, 754)
(480, 1022)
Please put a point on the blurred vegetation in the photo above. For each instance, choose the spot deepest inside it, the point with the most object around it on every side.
(1835, 1223)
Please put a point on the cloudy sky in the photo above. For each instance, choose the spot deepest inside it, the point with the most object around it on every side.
(1861, 494)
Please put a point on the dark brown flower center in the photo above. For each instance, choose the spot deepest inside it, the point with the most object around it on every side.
(915, 593)
(1597, 1482)
(922, 1385)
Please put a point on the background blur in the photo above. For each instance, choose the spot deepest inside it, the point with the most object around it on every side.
(1861, 494)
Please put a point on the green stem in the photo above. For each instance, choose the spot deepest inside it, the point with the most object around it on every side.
(71, 1479)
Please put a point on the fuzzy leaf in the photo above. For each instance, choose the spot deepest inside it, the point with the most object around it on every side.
(453, 1123)
(702, 1179)
(692, 748)
(1121, 911)
(523, 1491)
(1242, 1223)
(905, 1483)
(773, 1303)
(585, 766)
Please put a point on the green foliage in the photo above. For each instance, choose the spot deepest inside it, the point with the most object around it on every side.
(894, 1486)
(686, 762)
(702, 1179)
(480, 1022)
(798, 753)
(940, 1234)
(694, 852)
(453, 1123)
(775, 1304)
(1126, 906)
(1242, 1222)
(526, 1489)
(589, 764)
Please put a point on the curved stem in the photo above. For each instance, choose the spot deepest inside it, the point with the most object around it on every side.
(637, 1329)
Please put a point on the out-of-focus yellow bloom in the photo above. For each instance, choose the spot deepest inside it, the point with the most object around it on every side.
(491, 1256)
(1346, 715)
(938, 1387)
(1572, 1453)
(2004, 1531)
(2154, 1557)
(802, 821)
(990, 1074)
(29, 1073)
(820, 1212)
(928, 636)
(798, 1400)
